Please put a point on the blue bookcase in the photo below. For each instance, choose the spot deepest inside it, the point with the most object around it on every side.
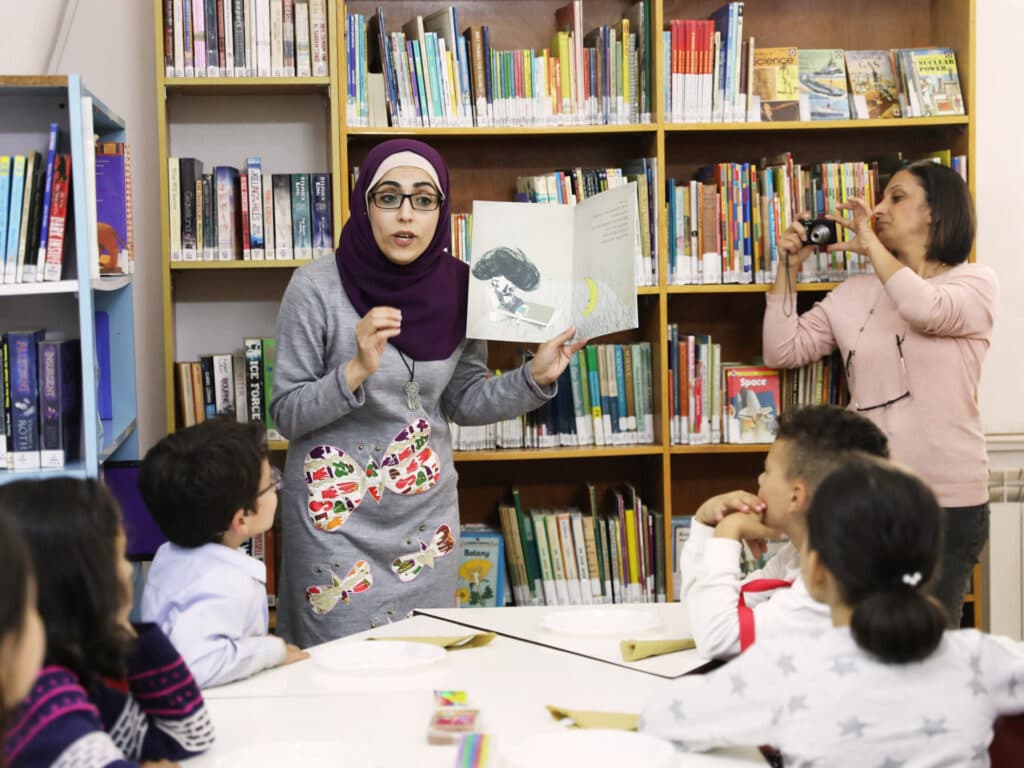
(82, 302)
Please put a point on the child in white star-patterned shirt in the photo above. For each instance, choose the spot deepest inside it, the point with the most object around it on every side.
(886, 685)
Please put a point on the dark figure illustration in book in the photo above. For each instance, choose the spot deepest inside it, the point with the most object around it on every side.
(913, 335)
(110, 248)
(508, 269)
(372, 363)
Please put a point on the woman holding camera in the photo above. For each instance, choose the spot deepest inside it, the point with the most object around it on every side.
(912, 336)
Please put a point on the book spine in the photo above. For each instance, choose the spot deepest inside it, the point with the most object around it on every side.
(198, 397)
(187, 192)
(239, 372)
(303, 65)
(199, 37)
(44, 217)
(283, 215)
(288, 38)
(301, 223)
(168, 16)
(224, 58)
(254, 172)
(209, 386)
(209, 219)
(276, 42)
(269, 244)
(224, 385)
(238, 37)
(6, 438)
(174, 206)
(268, 387)
(16, 205)
(254, 378)
(58, 218)
(5, 192)
(24, 373)
(323, 230)
(60, 402)
(186, 407)
(318, 37)
(226, 180)
(213, 42)
(243, 199)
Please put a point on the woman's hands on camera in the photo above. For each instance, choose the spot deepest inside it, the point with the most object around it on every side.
(859, 224)
(792, 249)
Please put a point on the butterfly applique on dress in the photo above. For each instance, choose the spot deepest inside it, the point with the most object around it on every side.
(337, 485)
(408, 567)
(325, 597)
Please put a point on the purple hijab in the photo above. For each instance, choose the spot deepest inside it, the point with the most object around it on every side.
(431, 292)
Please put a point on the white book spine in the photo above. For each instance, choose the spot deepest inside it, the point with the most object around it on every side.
(257, 242)
(303, 65)
(229, 40)
(276, 39)
(269, 251)
(179, 39)
(318, 37)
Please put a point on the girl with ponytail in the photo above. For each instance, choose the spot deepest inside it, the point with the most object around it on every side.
(886, 684)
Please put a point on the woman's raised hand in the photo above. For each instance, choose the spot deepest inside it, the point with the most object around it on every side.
(859, 224)
(553, 356)
(792, 251)
(372, 334)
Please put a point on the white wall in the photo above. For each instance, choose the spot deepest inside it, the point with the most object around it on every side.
(110, 43)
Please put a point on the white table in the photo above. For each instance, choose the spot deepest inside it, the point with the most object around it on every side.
(525, 623)
(509, 681)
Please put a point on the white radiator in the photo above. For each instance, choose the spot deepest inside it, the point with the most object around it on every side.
(1006, 553)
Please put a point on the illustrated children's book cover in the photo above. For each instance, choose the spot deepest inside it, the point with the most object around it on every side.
(537, 269)
(752, 404)
(874, 92)
(776, 74)
(481, 573)
(936, 81)
(823, 93)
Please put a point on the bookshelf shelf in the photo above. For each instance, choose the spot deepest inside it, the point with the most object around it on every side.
(245, 85)
(682, 450)
(73, 469)
(185, 266)
(912, 123)
(558, 454)
(565, 130)
(74, 306)
(734, 288)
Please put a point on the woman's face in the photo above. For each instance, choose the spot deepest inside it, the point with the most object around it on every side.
(21, 653)
(403, 233)
(903, 217)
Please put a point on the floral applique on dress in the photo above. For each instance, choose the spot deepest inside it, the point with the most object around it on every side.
(337, 485)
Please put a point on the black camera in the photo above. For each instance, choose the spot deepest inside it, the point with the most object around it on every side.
(820, 232)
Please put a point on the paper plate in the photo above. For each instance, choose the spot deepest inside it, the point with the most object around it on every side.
(601, 621)
(592, 748)
(384, 657)
(308, 754)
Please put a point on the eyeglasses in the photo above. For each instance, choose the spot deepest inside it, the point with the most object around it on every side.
(275, 482)
(903, 372)
(392, 201)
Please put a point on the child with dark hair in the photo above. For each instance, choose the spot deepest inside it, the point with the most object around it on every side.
(111, 693)
(885, 684)
(728, 610)
(210, 489)
(22, 637)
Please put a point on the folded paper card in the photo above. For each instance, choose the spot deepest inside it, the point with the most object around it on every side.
(450, 642)
(634, 650)
(588, 718)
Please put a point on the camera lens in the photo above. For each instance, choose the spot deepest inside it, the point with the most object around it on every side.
(818, 234)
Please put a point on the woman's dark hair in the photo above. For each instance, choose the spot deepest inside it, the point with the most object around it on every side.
(878, 530)
(15, 577)
(510, 263)
(951, 233)
(71, 528)
(194, 480)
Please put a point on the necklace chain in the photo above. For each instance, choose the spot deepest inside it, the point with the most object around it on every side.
(412, 387)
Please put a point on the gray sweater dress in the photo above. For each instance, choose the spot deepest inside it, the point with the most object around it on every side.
(369, 505)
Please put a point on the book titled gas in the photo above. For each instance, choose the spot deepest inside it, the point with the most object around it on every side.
(752, 404)
(535, 270)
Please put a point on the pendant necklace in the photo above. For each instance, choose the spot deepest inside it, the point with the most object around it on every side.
(412, 387)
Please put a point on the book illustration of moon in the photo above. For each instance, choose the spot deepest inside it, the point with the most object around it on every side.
(591, 296)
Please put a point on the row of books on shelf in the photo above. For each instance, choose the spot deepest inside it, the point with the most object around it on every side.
(430, 74)
(40, 417)
(234, 384)
(724, 225)
(231, 214)
(568, 556)
(715, 74)
(245, 38)
(605, 397)
(714, 401)
(36, 210)
(263, 547)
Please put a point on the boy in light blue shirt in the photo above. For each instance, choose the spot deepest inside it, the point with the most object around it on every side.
(210, 488)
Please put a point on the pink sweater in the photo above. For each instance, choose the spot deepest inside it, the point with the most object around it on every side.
(945, 324)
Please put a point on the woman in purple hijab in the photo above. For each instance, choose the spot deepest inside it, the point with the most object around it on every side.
(372, 362)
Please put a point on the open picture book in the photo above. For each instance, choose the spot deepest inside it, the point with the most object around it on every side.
(537, 269)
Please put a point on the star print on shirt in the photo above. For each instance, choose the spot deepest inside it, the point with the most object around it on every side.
(975, 663)
(797, 702)
(738, 685)
(777, 714)
(933, 727)
(843, 666)
(977, 688)
(676, 708)
(852, 727)
(786, 665)
(890, 763)
(1011, 686)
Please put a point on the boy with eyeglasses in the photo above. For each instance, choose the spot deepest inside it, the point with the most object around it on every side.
(729, 611)
(210, 488)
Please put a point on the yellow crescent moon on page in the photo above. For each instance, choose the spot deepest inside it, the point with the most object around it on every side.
(591, 296)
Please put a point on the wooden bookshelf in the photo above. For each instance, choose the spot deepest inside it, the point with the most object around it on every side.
(484, 163)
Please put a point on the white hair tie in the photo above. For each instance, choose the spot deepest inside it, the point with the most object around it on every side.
(912, 579)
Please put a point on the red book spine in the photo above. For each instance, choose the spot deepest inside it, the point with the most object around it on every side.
(243, 180)
(58, 217)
